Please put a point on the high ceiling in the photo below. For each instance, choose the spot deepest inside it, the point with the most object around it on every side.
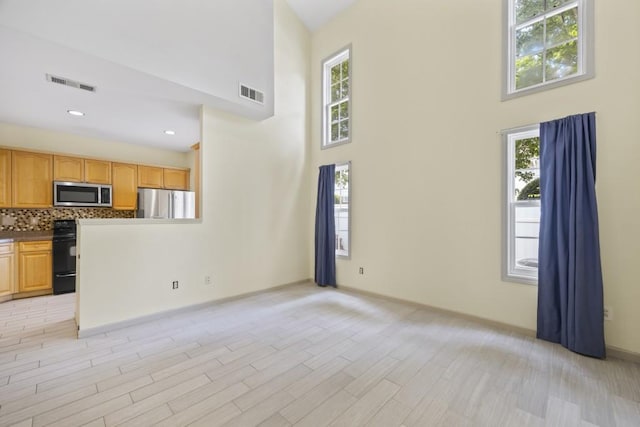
(153, 63)
(316, 13)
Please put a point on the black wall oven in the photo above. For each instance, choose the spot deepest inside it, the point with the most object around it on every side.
(64, 256)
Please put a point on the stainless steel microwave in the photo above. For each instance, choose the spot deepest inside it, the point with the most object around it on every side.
(81, 194)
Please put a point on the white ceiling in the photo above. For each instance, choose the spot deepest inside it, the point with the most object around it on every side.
(316, 13)
(154, 62)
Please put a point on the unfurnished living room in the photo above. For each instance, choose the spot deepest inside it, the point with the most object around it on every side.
(319, 213)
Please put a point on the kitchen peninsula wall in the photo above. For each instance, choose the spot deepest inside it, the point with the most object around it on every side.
(42, 219)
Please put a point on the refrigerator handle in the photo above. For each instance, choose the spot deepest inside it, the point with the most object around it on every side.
(171, 206)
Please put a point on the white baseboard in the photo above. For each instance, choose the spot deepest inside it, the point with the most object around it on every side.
(614, 352)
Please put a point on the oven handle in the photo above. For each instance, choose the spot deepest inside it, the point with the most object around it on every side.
(66, 275)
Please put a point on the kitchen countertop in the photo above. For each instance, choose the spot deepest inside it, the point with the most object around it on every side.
(25, 236)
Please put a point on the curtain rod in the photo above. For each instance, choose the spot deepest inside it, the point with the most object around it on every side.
(533, 126)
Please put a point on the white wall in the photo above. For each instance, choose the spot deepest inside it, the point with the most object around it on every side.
(256, 211)
(426, 117)
(28, 138)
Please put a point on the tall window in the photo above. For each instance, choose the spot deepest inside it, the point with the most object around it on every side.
(341, 209)
(549, 44)
(523, 205)
(336, 113)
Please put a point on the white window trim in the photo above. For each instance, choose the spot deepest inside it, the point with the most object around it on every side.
(326, 65)
(347, 254)
(510, 272)
(586, 62)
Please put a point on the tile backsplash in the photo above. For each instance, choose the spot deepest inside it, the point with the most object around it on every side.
(42, 219)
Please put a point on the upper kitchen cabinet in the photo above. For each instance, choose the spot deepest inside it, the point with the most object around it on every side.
(68, 169)
(97, 171)
(125, 186)
(5, 178)
(176, 179)
(150, 177)
(32, 178)
(75, 169)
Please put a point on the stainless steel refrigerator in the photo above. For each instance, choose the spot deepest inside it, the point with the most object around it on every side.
(160, 204)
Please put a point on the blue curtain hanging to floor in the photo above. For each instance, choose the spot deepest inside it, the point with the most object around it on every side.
(326, 228)
(570, 302)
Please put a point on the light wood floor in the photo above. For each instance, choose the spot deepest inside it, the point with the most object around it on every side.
(302, 356)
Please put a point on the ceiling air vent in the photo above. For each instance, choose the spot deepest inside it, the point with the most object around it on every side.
(70, 83)
(251, 94)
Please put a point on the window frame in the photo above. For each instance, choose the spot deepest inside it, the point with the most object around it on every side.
(510, 272)
(585, 41)
(327, 63)
(346, 255)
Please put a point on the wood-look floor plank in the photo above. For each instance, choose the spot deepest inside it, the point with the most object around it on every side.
(360, 412)
(311, 399)
(300, 356)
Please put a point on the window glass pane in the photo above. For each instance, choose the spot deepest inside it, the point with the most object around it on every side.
(528, 71)
(335, 116)
(335, 74)
(527, 229)
(335, 131)
(335, 92)
(344, 110)
(527, 9)
(526, 185)
(527, 153)
(530, 39)
(552, 4)
(562, 61)
(562, 27)
(341, 210)
(345, 69)
(345, 89)
(526, 178)
(344, 129)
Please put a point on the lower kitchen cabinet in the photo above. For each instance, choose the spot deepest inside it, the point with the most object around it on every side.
(34, 266)
(7, 269)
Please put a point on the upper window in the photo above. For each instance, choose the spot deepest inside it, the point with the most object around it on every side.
(341, 209)
(336, 112)
(549, 44)
(523, 204)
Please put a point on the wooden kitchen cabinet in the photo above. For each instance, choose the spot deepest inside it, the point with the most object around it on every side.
(68, 169)
(125, 186)
(75, 169)
(5, 178)
(32, 180)
(97, 171)
(176, 179)
(34, 266)
(150, 177)
(7, 269)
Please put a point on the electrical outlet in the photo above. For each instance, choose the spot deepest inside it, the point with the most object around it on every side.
(608, 313)
(361, 270)
(174, 284)
(207, 280)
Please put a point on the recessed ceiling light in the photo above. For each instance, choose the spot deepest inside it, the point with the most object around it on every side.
(75, 112)
(170, 132)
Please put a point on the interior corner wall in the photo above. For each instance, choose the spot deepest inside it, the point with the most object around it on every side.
(253, 232)
(427, 158)
(254, 174)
